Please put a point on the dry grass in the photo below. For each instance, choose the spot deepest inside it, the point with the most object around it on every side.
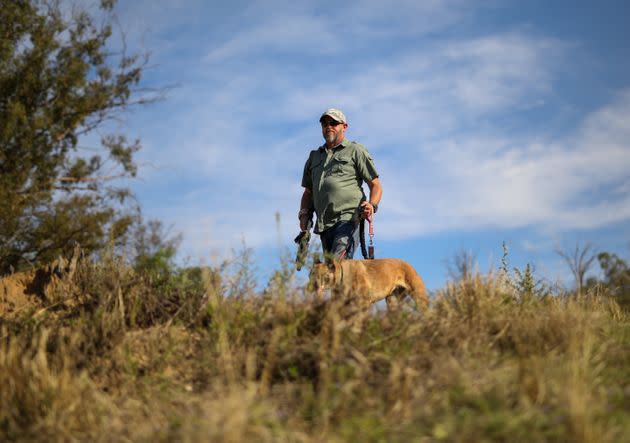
(114, 356)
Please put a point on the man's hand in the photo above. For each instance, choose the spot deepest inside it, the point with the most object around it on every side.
(367, 209)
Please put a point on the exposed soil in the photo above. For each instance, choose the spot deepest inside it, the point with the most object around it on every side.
(22, 291)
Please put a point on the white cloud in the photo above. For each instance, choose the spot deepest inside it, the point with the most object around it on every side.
(515, 183)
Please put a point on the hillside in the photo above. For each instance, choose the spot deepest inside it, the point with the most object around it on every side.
(105, 353)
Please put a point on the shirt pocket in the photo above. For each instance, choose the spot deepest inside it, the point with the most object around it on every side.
(340, 166)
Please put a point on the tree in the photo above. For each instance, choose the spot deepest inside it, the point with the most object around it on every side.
(59, 81)
(462, 266)
(579, 261)
(615, 278)
(154, 249)
(616, 273)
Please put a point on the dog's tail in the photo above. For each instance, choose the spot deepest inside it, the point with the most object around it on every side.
(417, 290)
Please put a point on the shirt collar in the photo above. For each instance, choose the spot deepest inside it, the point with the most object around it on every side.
(341, 145)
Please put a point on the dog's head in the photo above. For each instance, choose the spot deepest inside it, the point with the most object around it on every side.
(324, 275)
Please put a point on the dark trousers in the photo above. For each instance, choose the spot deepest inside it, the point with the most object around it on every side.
(340, 240)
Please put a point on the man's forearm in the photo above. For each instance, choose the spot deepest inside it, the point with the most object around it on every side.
(376, 192)
(306, 203)
(307, 200)
(375, 195)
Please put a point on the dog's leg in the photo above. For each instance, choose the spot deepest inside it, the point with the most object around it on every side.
(319, 294)
(393, 303)
(418, 292)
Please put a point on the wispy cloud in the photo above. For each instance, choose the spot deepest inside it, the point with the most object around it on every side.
(516, 182)
(315, 29)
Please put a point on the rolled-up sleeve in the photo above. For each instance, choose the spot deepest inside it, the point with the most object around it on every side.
(307, 178)
(365, 164)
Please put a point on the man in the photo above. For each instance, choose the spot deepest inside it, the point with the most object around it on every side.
(332, 180)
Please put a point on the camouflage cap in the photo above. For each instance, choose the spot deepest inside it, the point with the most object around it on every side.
(335, 114)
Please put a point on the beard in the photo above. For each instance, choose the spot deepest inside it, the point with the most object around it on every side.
(330, 137)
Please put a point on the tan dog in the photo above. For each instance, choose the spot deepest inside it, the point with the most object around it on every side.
(370, 280)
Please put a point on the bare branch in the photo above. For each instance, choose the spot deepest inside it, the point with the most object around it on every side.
(90, 179)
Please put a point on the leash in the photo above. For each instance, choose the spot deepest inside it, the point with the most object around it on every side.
(371, 246)
(368, 253)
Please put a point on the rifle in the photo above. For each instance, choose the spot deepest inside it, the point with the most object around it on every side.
(302, 240)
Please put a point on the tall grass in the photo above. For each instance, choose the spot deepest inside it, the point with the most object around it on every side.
(117, 355)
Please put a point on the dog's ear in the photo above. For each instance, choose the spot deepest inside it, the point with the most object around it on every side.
(331, 264)
(316, 259)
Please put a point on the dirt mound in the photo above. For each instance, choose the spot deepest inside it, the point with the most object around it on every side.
(28, 290)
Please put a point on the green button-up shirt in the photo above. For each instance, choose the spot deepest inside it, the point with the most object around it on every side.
(336, 180)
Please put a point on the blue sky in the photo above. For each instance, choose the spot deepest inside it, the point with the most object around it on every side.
(489, 121)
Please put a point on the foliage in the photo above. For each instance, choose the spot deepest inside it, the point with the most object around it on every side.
(616, 272)
(153, 250)
(184, 361)
(60, 81)
(616, 278)
(523, 282)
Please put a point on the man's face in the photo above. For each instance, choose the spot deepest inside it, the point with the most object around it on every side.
(333, 131)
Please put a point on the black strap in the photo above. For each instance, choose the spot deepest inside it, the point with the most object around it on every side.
(362, 238)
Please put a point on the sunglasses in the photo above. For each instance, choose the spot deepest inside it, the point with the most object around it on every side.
(332, 123)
